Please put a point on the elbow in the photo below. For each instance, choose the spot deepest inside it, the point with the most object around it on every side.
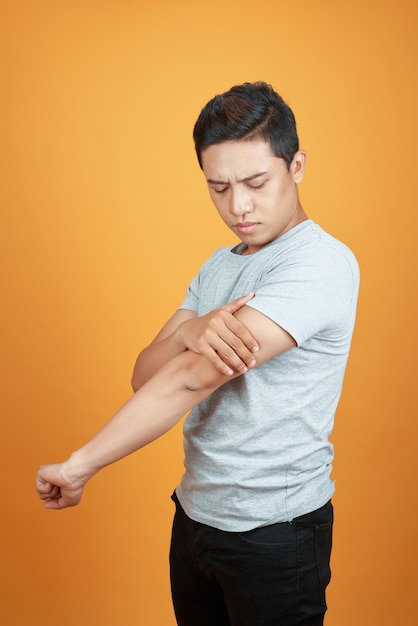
(136, 381)
(135, 386)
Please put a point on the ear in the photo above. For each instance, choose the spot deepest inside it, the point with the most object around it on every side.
(298, 165)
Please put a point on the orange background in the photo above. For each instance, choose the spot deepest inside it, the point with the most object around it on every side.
(105, 218)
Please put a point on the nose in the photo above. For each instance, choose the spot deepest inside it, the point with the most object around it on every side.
(240, 202)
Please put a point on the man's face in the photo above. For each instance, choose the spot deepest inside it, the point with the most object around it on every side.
(254, 192)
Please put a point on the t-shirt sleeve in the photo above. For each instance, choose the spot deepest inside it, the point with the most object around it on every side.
(308, 296)
(193, 293)
(191, 300)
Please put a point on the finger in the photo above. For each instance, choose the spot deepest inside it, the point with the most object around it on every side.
(222, 351)
(236, 305)
(43, 486)
(238, 358)
(212, 355)
(52, 494)
(240, 339)
(64, 498)
(231, 340)
(239, 329)
(55, 503)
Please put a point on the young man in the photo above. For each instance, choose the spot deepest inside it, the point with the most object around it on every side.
(258, 349)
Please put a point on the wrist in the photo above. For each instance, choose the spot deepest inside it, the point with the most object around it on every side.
(77, 468)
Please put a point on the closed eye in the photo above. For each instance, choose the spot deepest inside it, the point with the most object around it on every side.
(220, 190)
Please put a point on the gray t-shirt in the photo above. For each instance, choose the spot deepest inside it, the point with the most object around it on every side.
(257, 450)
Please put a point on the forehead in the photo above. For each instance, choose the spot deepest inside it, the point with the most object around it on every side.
(237, 159)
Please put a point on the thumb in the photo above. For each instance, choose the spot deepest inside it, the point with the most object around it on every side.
(236, 305)
(45, 484)
(49, 492)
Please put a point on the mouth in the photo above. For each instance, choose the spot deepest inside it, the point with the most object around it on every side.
(246, 228)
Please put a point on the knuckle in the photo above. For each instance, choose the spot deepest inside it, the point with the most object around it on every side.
(225, 353)
(237, 345)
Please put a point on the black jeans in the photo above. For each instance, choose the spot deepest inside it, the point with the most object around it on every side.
(271, 576)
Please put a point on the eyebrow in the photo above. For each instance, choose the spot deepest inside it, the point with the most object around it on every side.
(243, 180)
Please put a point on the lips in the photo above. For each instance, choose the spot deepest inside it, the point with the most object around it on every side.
(246, 227)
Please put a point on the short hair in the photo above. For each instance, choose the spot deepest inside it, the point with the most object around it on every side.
(248, 112)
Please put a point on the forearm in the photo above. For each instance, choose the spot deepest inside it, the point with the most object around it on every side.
(219, 336)
(155, 408)
(178, 385)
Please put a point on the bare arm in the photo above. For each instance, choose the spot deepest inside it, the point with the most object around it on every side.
(219, 336)
(155, 408)
(162, 349)
(183, 382)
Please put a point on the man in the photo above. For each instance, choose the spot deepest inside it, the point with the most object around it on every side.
(258, 349)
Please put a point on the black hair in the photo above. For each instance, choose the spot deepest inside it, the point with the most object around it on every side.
(248, 112)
